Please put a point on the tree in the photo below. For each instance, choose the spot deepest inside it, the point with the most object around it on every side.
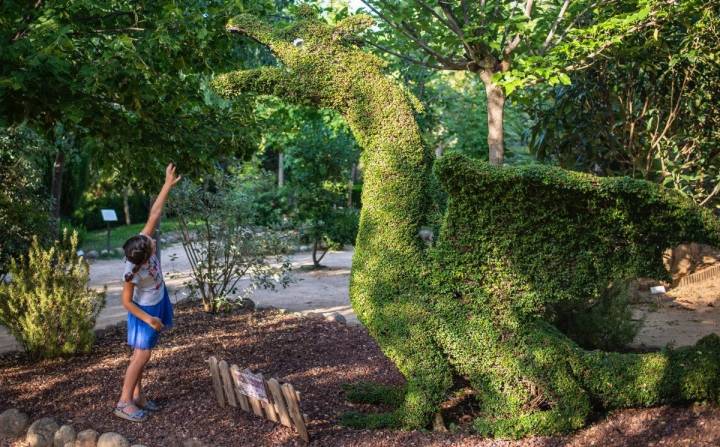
(647, 109)
(24, 207)
(507, 44)
(125, 81)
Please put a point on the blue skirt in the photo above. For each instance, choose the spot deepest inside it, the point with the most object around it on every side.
(140, 334)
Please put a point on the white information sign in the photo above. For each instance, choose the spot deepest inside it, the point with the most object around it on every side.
(251, 385)
(109, 215)
(657, 289)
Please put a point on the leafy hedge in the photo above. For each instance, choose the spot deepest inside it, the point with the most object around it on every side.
(520, 249)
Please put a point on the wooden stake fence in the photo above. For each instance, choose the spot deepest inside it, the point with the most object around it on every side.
(701, 276)
(282, 405)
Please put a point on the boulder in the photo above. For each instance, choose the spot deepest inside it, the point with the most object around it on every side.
(86, 438)
(12, 423)
(64, 435)
(41, 433)
(92, 254)
(313, 315)
(112, 439)
(336, 317)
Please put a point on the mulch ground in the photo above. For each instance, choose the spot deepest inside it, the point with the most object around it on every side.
(316, 356)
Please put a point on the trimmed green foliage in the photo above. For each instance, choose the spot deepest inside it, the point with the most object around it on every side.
(374, 394)
(520, 250)
(47, 305)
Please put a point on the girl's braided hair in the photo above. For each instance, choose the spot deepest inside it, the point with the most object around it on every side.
(138, 250)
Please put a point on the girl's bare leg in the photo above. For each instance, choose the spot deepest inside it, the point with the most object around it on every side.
(133, 375)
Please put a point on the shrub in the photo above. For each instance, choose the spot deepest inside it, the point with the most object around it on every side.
(223, 245)
(47, 305)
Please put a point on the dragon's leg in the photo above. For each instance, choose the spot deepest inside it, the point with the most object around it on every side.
(404, 333)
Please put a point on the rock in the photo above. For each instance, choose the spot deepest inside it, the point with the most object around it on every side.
(92, 254)
(12, 423)
(86, 438)
(248, 304)
(336, 317)
(41, 433)
(111, 439)
(193, 442)
(64, 435)
(313, 315)
(104, 252)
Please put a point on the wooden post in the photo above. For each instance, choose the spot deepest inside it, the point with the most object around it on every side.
(279, 401)
(268, 406)
(241, 398)
(217, 385)
(227, 383)
(294, 408)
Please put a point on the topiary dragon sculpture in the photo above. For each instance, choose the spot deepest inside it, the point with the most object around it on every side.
(521, 251)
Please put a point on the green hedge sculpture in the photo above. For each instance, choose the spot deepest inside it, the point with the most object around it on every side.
(521, 250)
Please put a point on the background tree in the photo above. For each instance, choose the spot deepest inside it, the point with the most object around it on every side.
(507, 44)
(124, 83)
(648, 109)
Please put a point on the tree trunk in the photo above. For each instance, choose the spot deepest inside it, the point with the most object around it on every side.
(126, 205)
(56, 188)
(281, 171)
(495, 111)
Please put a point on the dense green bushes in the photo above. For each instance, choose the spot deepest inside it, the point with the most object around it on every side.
(47, 305)
(519, 249)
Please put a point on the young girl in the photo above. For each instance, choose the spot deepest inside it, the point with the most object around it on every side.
(149, 309)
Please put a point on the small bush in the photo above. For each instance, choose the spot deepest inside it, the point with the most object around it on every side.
(47, 305)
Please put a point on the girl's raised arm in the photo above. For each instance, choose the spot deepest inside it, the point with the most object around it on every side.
(171, 179)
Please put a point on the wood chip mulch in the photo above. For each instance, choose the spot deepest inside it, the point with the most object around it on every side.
(316, 356)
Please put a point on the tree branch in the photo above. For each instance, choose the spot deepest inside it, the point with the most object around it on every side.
(405, 29)
(517, 39)
(555, 24)
(409, 59)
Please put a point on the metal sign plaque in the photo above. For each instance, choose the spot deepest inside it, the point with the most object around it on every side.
(251, 385)
(109, 215)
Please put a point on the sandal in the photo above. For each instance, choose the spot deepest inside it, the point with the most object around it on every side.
(150, 405)
(135, 416)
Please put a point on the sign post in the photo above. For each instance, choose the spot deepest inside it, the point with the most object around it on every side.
(108, 215)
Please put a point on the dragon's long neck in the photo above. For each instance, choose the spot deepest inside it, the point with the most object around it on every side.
(388, 250)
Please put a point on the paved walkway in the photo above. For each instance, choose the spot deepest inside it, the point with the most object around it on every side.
(322, 291)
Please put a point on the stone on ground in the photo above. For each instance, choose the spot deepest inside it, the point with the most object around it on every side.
(112, 439)
(64, 435)
(41, 433)
(336, 317)
(12, 423)
(86, 438)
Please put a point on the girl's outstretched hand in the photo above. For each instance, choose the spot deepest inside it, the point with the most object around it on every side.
(171, 178)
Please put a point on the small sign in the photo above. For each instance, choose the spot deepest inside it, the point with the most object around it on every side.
(657, 289)
(109, 215)
(251, 385)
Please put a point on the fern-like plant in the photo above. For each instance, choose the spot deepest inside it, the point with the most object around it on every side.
(47, 305)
